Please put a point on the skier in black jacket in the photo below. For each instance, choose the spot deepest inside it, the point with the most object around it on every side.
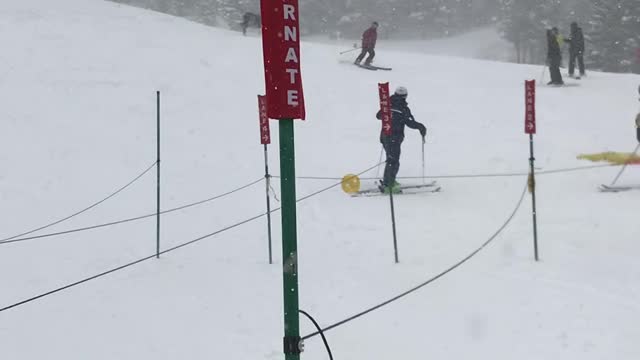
(554, 57)
(400, 116)
(576, 49)
(638, 122)
(638, 127)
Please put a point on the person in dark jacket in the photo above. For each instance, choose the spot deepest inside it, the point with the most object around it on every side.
(248, 20)
(638, 122)
(576, 49)
(554, 57)
(369, 39)
(400, 117)
(638, 127)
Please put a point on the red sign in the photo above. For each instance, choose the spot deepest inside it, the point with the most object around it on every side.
(281, 52)
(530, 106)
(265, 134)
(385, 108)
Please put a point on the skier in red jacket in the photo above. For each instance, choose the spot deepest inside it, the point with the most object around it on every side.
(369, 38)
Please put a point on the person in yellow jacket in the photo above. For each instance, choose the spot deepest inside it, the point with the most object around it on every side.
(554, 56)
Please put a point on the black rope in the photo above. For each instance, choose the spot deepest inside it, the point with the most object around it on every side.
(212, 198)
(420, 286)
(154, 255)
(12, 239)
(579, 168)
(324, 339)
(512, 174)
(171, 210)
(85, 209)
(126, 265)
(131, 219)
(78, 229)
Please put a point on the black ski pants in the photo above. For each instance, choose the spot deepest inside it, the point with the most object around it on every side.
(573, 57)
(370, 51)
(554, 70)
(392, 147)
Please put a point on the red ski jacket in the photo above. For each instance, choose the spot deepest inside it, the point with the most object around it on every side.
(369, 38)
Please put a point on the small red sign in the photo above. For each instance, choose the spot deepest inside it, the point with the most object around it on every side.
(530, 107)
(265, 133)
(385, 108)
(281, 52)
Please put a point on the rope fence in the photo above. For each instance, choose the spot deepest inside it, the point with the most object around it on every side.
(462, 176)
(132, 219)
(83, 210)
(141, 260)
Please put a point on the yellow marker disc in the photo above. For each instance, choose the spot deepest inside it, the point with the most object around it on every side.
(351, 184)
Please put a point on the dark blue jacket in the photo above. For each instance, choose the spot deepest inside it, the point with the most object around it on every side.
(576, 40)
(400, 116)
(638, 127)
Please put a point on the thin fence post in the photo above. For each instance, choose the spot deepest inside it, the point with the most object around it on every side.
(265, 139)
(158, 176)
(393, 225)
(267, 178)
(530, 128)
(423, 161)
(532, 186)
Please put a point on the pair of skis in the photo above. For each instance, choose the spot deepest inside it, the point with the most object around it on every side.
(373, 67)
(615, 189)
(431, 187)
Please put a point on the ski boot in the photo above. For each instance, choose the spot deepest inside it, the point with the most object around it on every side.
(394, 189)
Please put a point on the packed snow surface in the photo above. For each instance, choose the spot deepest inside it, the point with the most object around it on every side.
(78, 88)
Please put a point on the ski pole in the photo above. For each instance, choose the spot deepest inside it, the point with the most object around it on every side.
(423, 141)
(544, 70)
(344, 52)
(625, 166)
(379, 162)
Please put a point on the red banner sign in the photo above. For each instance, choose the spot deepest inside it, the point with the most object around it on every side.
(281, 51)
(385, 108)
(530, 106)
(265, 133)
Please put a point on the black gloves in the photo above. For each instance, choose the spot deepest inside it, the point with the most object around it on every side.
(423, 130)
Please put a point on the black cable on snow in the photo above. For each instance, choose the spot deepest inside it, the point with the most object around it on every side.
(573, 169)
(212, 198)
(420, 286)
(122, 267)
(123, 221)
(324, 339)
(83, 210)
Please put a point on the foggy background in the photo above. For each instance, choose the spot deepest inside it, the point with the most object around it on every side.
(611, 27)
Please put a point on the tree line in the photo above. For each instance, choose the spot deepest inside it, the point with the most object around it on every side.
(611, 27)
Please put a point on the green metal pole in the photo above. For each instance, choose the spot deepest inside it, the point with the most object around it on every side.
(289, 241)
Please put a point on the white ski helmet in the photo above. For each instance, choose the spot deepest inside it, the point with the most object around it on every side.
(402, 91)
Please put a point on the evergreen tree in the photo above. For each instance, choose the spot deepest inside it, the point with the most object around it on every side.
(524, 23)
(614, 34)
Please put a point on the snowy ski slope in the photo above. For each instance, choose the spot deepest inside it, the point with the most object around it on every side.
(78, 81)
